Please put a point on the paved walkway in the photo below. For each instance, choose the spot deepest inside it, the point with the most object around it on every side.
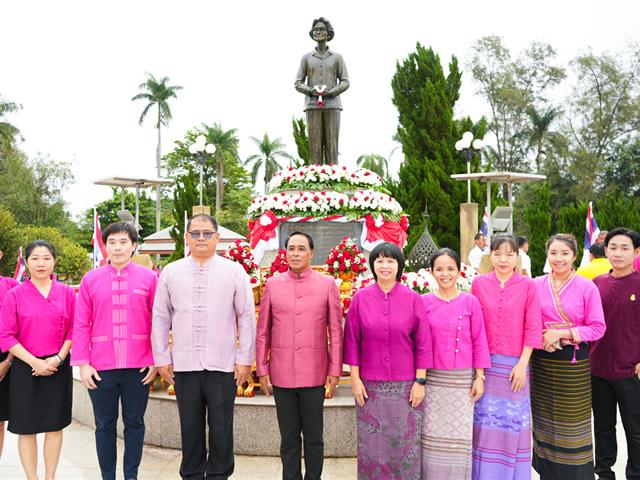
(79, 462)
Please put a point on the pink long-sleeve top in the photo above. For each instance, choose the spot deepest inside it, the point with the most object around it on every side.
(207, 307)
(580, 300)
(41, 325)
(298, 314)
(387, 335)
(457, 332)
(112, 327)
(6, 284)
(511, 314)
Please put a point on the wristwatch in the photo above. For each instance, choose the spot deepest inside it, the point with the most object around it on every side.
(59, 359)
(421, 380)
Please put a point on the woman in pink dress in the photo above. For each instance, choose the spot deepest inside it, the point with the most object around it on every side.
(560, 373)
(35, 327)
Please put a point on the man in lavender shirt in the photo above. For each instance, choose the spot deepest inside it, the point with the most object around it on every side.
(207, 303)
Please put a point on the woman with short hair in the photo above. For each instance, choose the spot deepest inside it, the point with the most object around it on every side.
(35, 326)
(388, 346)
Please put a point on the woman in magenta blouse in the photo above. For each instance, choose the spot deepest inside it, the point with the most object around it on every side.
(35, 326)
(502, 418)
(459, 347)
(572, 316)
(388, 347)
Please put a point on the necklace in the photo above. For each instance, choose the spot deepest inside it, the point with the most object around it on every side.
(558, 286)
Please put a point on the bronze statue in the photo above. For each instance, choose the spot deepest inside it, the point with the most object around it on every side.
(322, 77)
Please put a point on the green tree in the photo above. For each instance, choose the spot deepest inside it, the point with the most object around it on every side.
(511, 87)
(621, 173)
(9, 133)
(613, 211)
(226, 142)
(538, 216)
(425, 99)
(540, 136)
(157, 93)
(374, 162)
(270, 152)
(301, 139)
(571, 219)
(186, 195)
(8, 242)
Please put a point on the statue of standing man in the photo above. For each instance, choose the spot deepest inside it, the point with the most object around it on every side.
(322, 77)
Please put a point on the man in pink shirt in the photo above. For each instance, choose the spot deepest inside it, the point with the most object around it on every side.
(298, 310)
(207, 303)
(112, 346)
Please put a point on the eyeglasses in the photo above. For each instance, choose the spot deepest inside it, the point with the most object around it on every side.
(208, 235)
(319, 29)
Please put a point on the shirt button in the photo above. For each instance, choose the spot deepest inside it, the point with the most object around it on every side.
(386, 344)
(298, 330)
(385, 312)
(386, 359)
(459, 328)
(385, 329)
(297, 349)
(460, 317)
(456, 350)
(457, 339)
(298, 313)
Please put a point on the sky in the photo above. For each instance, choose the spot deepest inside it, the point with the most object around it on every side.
(74, 66)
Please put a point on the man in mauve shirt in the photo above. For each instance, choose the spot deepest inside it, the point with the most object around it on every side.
(615, 358)
(207, 302)
(298, 310)
(112, 347)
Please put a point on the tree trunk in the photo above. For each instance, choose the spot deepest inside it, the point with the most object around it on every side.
(219, 186)
(159, 173)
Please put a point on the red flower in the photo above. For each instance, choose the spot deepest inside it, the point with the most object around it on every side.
(253, 280)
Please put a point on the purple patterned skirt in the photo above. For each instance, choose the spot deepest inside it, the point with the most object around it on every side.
(388, 433)
(502, 426)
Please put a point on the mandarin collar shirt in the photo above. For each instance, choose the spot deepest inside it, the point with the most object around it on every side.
(299, 315)
(322, 69)
(387, 334)
(457, 331)
(210, 311)
(112, 327)
(615, 355)
(512, 314)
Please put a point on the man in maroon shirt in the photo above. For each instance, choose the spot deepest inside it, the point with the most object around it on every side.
(615, 358)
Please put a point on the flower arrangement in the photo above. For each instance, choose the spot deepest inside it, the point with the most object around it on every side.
(345, 258)
(326, 203)
(279, 264)
(241, 252)
(321, 177)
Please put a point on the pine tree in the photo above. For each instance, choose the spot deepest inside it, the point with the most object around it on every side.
(538, 216)
(425, 99)
(186, 195)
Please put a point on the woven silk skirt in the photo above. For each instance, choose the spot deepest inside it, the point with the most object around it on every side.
(4, 392)
(561, 409)
(388, 433)
(502, 426)
(39, 404)
(447, 426)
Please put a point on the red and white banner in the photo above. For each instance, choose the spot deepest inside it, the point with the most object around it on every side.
(20, 273)
(99, 250)
(187, 252)
(263, 232)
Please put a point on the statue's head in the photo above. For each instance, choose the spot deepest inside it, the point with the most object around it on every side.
(323, 22)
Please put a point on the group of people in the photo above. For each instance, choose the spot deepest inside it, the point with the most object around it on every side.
(449, 385)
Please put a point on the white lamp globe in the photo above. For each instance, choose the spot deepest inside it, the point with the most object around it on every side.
(210, 148)
(459, 145)
(478, 144)
(193, 149)
(200, 141)
(465, 143)
(467, 136)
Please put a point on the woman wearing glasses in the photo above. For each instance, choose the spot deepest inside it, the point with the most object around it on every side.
(502, 420)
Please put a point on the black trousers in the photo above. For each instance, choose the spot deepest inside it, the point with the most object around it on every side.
(210, 395)
(606, 396)
(300, 410)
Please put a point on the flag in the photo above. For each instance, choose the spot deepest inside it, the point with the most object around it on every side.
(20, 274)
(484, 228)
(99, 250)
(590, 235)
(186, 245)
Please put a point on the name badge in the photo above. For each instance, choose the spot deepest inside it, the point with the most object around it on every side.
(632, 297)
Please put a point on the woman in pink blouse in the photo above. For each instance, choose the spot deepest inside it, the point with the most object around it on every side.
(459, 347)
(502, 419)
(388, 346)
(572, 315)
(35, 326)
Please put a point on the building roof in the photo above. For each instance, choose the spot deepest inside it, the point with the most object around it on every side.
(132, 182)
(500, 177)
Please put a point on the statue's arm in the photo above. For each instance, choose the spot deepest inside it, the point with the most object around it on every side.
(342, 76)
(301, 76)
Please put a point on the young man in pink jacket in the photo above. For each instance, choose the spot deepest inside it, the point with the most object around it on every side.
(299, 312)
(112, 346)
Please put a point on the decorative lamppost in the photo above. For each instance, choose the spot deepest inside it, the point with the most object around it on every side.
(468, 145)
(199, 148)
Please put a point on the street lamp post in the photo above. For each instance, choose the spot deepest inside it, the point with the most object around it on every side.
(199, 148)
(467, 145)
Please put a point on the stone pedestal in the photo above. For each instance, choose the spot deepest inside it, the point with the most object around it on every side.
(201, 209)
(468, 229)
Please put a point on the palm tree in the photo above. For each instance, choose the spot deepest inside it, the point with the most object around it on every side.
(226, 142)
(8, 132)
(374, 162)
(270, 151)
(157, 93)
(539, 133)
